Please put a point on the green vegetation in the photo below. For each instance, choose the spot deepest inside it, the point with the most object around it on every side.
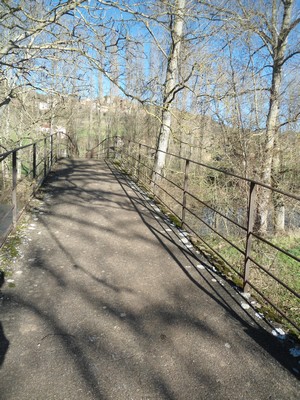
(10, 251)
(278, 264)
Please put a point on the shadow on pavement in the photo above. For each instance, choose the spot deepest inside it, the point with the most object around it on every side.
(260, 331)
(4, 342)
(90, 320)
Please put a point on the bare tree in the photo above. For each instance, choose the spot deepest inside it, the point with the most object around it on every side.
(272, 25)
(170, 87)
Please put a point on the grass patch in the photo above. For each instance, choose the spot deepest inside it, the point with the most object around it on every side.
(274, 262)
(9, 251)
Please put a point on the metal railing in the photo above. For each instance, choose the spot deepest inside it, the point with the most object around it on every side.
(259, 261)
(23, 170)
(193, 194)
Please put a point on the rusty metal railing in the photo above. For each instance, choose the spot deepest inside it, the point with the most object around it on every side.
(254, 270)
(23, 170)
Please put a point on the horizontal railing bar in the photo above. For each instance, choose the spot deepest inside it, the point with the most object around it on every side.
(39, 163)
(275, 278)
(24, 147)
(274, 306)
(229, 219)
(215, 231)
(191, 229)
(276, 247)
(172, 183)
(170, 195)
(99, 144)
(213, 249)
(218, 212)
(223, 171)
(196, 198)
(162, 176)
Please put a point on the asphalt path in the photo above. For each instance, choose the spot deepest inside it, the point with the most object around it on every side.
(108, 300)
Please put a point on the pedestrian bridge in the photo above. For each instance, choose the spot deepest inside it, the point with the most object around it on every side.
(109, 299)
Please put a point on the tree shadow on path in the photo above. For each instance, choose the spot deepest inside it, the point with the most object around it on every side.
(4, 342)
(259, 331)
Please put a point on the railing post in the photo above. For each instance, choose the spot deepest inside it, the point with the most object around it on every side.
(128, 155)
(51, 150)
(58, 145)
(116, 147)
(101, 148)
(14, 187)
(185, 189)
(34, 161)
(139, 162)
(108, 144)
(45, 157)
(250, 225)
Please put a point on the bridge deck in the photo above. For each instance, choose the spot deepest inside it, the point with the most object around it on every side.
(109, 303)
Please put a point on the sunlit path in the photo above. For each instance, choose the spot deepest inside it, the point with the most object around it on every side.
(110, 303)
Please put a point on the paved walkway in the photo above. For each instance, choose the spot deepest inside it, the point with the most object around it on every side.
(110, 304)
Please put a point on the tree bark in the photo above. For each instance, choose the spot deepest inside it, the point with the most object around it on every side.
(279, 44)
(277, 198)
(169, 90)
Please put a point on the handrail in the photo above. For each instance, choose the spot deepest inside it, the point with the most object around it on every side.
(7, 153)
(219, 170)
(43, 153)
(129, 153)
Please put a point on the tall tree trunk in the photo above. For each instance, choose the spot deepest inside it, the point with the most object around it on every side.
(277, 198)
(271, 132)
(279, 45)
(169, 89)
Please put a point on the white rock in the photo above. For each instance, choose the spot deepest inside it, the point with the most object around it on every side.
(246, 295)
(184, 240)
(227, 345)
(278, 332)
(200, 266)
(259, 315)
(214, 280)
(245, 306)
(10, 280)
